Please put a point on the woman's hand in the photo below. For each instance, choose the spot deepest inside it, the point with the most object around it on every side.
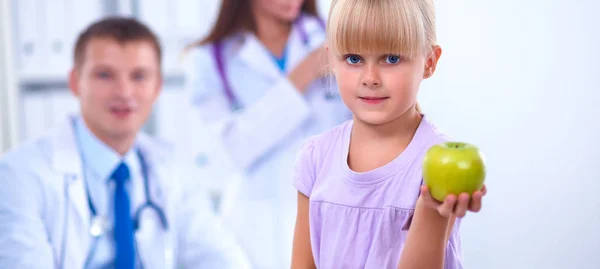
(453, 205)
(311, 68)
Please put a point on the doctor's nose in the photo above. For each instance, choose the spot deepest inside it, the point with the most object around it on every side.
(125, 87)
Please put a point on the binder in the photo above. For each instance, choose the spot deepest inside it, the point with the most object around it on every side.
(154, 13)
(80, 15)
(55, 45)
(29, 37)
(83, 13)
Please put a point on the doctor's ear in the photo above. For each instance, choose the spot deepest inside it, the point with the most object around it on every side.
(74, 81)
(159, 86)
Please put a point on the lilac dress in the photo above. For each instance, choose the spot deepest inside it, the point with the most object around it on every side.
(360, 220)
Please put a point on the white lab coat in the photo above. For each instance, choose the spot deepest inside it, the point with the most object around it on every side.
(263, 139)
(42, 197)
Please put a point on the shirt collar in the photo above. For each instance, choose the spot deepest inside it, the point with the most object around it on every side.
(99, 157)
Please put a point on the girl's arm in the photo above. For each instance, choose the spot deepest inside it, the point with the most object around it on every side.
(302, 257)
(425, 245)
(431, 227)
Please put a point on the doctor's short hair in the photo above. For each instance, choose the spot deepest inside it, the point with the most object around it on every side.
(121, 29)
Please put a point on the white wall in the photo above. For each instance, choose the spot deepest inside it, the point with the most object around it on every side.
(520, 80)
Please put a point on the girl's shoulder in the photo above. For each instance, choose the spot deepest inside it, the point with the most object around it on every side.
(324, 142)
(315, 152)
(434, 135)
(323, 146)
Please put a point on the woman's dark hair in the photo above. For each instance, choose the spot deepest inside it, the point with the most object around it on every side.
(236, 15)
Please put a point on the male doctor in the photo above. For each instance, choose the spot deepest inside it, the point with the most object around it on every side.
(97, 193)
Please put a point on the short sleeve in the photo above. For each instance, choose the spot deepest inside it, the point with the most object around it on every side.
(304, 169)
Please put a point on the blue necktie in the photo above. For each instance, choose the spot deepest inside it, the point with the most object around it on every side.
(123, 230)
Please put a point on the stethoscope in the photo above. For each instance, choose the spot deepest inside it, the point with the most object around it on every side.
(99, 225)
(232, 99)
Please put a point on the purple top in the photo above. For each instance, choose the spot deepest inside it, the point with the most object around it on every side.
(360, 220)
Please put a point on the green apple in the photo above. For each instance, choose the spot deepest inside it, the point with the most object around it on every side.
(453, 168)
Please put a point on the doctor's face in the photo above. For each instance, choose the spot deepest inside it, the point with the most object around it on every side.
(285, 10)
(117, 84)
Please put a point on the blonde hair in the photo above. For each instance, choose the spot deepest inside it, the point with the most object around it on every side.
(404, 27)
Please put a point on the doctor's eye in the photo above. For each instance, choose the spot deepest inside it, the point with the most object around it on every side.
(103, 74)
(139, 76)
(352, 59)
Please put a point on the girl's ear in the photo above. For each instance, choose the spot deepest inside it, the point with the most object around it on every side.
(431, 62)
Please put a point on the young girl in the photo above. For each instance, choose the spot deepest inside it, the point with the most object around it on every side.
(361, 203)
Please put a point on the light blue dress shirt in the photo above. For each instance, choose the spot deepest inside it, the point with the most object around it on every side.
(99, 163)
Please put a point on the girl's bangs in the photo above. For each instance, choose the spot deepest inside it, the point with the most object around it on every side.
(378, 26)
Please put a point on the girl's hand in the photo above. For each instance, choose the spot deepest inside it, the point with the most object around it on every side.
(453, 205)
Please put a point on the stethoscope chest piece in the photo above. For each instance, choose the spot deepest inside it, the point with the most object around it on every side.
(330, 96)
(99, 226)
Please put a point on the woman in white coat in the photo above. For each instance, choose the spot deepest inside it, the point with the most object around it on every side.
(258, 81)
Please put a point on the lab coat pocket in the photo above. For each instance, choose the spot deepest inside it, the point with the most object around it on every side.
(151, 242)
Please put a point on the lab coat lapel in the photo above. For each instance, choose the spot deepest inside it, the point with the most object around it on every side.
(157, 157)
(67, 163)
(257, 57)
(153, 242)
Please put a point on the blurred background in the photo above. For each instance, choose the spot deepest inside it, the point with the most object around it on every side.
(517, 78)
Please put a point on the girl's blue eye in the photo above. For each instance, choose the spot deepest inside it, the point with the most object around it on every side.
(353, 59)
(392, 59)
